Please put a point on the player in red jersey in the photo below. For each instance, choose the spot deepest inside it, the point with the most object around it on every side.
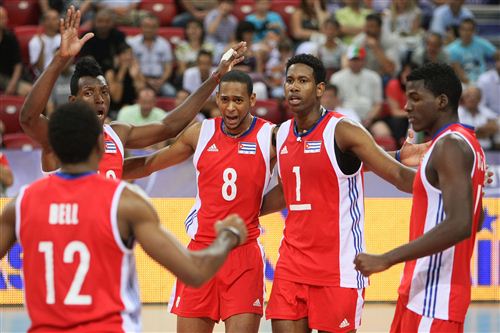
(320, 156)
(447, 210)
(78, 231)
(88, 84)
(233, 158)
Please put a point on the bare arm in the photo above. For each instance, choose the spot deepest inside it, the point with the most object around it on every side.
(451, 163)
(273, 201)
(138, 218)
(6, 177)
(351, 136)
(7, 228)
(180, 150)
(181, 116)
(32, 121)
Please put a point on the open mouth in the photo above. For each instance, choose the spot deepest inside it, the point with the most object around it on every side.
(294, 100)
(100, 114)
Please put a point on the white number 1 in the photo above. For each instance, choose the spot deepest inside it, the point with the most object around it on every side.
(296, 171)
(73, 297)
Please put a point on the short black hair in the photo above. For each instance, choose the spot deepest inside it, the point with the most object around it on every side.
(243, 27)
(73, 132)
(204, 52)
(469, 20)
(238, 76)
(374, 17)
(439, 78)
(85, 66)
(311, 61)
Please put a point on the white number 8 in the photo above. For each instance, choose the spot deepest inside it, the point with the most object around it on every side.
(229, 176)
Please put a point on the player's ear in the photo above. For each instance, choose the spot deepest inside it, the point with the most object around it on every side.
(442, 101)
(253, 99)
(71, 98)
(320, 89)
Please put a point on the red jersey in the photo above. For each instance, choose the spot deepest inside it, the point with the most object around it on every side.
(111, 165)
(78, 274)
(438, 286)
(231, 174)
(324, 227)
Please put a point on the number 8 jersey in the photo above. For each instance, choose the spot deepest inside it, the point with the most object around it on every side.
(78, 274)
(231, 175)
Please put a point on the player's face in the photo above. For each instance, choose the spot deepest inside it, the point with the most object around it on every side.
(95, 91)
(235, 104)
(422, 106)
(301, 91)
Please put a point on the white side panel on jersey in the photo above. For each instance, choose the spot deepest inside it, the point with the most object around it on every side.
(351, 214)
(19, 201)
(280, 140)
(207, 131)
(129, 292)
(264, 141)
(108, 129)
(114, 218)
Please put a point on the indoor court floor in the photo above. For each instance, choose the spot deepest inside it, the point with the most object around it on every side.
(481, 318)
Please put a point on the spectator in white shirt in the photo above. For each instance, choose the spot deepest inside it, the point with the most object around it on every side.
(194, 76)
(42, 47)
(155, 57)
(489, 83)
(485, 121)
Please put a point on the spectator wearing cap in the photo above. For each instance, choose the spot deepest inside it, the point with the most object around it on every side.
(359, 88)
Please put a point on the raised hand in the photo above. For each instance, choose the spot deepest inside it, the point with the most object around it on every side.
(234, 224)
(68, 28)
(232, 57)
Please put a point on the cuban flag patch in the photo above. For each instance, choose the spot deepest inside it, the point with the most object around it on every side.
(311, 147)
(247, 148)
(109, 147)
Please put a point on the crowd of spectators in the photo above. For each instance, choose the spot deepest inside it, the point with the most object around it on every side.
(368, 48)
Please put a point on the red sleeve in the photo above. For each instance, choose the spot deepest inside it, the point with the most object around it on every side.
(3, 160)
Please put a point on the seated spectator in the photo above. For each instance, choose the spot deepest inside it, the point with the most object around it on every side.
(430, 51)
(125, 80)
(142, 112)
(359, 88)
(403, 19)
(106, 41)
(265, 21)
(489, 83)
(6, 175)
(306, 20)
(220, 25)
(126, 11)
(85, 7)
(331, 101)
(155, 57)
(448, 15)
(11, 67)
(382, 49)
(42, 47)
(330, 50)
(193, 10)
(468, 54)
(195, 76)
(187, 50)
(485, 121)
(351, 19)
(395, 93)
(275, 68)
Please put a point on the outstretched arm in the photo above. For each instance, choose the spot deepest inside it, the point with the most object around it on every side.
(138, 218)
(351, 136)
(451, 162)
(181, 116)
(180, 150)
(32, 121)
(7, 228)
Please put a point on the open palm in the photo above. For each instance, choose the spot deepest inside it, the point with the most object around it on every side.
(68, 27)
